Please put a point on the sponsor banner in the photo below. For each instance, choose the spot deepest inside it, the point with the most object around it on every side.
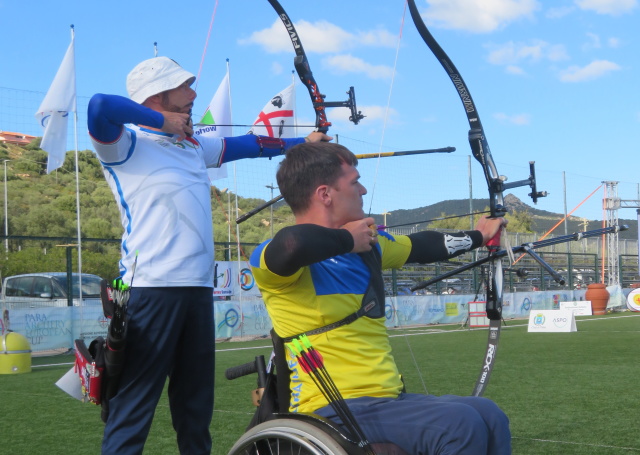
(420, 310)
(244, 314)
(57, 327)
(234, 318)
(233, 278)
(579, 307)
(552, 321)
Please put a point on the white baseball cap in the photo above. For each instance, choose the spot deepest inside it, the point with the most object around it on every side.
(154, 76)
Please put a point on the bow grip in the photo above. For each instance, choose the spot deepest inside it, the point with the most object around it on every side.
(494, 243)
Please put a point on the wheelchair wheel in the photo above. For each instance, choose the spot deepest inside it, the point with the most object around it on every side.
(286, 437)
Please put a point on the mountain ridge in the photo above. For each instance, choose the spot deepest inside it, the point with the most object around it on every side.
(542, 220)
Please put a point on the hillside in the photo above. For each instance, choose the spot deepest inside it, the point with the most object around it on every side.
(44, 205)
(542, 220)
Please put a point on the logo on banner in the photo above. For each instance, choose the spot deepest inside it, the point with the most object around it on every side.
(539, 319)
(231, 319)
(388, 311)
(103, 322)
(246, 279)
(560, 322)
(222, 280)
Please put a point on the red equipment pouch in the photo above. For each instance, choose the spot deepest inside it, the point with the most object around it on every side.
(90, 367)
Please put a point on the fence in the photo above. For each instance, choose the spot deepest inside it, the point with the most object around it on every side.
(55, 329)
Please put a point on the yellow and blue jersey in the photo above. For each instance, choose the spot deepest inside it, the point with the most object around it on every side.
(323, 293)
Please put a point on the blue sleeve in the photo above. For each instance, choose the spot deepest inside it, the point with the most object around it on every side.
(250, 146)
(108, 113)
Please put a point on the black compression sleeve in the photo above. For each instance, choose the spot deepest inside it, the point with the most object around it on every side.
(304, 244)
(431, 246)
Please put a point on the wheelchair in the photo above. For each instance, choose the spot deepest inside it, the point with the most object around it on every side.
(274, 430)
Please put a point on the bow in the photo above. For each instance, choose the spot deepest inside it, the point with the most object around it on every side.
(496, 185)
(301, 65)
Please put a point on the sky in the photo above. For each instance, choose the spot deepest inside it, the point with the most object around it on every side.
(554, 82)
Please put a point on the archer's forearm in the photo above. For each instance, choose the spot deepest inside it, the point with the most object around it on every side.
(432, 246)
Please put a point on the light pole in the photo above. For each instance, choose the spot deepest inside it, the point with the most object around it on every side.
(228, 193)
(271, 187)
(384, 214)
(6, 217)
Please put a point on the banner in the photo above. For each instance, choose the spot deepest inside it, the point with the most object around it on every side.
(53, 113)
(218, 113)
(233, 278)
(277, 117)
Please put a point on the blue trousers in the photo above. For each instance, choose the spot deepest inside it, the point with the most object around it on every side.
(170, 334)
(427, 424)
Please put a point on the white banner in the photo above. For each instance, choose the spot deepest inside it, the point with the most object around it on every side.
(552, 321)
(53, 113)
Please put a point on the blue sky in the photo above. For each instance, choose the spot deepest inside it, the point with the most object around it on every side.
(554, 81)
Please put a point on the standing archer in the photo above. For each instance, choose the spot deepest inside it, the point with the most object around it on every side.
(315, 276)
(158, 175)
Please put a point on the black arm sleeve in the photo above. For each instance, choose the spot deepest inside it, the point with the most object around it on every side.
(431, 246)
(297, 246)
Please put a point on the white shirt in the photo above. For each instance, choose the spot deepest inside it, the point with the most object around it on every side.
(163, 192)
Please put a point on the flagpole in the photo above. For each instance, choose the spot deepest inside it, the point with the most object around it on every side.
(230, 100)
(75, 134)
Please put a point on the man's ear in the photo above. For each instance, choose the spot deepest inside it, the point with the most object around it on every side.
(153, 101)
(323, 195)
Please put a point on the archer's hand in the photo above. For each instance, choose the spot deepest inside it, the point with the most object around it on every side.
(177, 123)
(489, 227)
(317, 136)
(364, 233)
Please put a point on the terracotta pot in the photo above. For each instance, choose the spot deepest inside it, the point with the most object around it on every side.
(599, 296)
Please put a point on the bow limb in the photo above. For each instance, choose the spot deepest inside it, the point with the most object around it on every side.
(482, 153)
(477, 138)
(301, 64)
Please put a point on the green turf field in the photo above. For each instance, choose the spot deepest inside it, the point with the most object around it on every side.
(565, 393)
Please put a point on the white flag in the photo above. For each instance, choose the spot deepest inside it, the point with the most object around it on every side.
(218, 113)
(54, 111)
(277, 117)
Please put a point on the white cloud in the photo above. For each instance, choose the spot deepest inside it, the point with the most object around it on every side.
(556, 53)
(512, 69)
(321, 37)
(517, 119)
(276, 68)
(612, 7)
(347, 63)
(593, 70)
(559, 12)
(613, 42)
(513, 55)
(479, 16)
(378, 38)
(593, 41)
